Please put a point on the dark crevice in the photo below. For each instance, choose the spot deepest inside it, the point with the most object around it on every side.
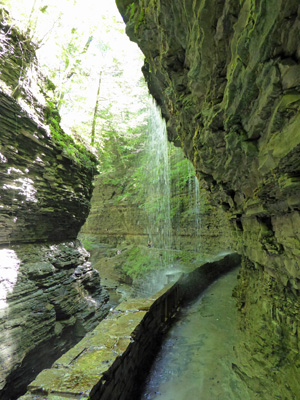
(43, 356)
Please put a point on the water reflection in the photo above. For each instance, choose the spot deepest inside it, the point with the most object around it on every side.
(197, 354)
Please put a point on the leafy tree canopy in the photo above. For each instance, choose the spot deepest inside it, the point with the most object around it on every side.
(96, 71)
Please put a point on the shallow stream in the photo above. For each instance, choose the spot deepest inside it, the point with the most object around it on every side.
(196, 356)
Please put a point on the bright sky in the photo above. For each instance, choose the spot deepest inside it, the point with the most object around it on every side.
(100, 18)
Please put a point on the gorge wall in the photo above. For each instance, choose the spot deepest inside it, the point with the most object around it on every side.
(118, 228)
(226, 75)
(123, 222)
(49, 293)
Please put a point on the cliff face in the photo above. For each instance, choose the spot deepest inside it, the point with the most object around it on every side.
(45, 191)
(49, 293)
(123, 222)
(41, 180)
(115, 222)
(226, 75)
(118, 228)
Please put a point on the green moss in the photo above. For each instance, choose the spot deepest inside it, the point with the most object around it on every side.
(88, 244)
(187, 257)
(130, 11)
(140, 20)
(140, 261)
(135, 16)
(76, 152)
(249, 148)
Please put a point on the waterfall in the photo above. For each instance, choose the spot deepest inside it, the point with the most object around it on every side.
(177, 193)
(194, 202)
(158, 191)
(185, 198)
(197, 211)
(171, 196)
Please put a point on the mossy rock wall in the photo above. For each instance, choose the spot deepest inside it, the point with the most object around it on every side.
(113, 219)
(120, 222)
(45, 190)
(226, 76)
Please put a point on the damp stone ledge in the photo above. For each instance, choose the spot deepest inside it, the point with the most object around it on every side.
(113, 359)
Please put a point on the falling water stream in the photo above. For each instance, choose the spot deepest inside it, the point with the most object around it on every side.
(158, 190)
(166, 196)
(157, 205)
(197, 211)
(194, 202)
(196, 356)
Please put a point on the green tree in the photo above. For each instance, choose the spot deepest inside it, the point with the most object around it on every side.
(107, 108)
(93, 133)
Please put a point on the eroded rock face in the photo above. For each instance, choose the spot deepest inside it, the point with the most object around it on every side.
(112, 361)
(50, 296)
(45, 192)
(226, 75)
(123, 222)
(268, 354)
(117, 230)
(115, 221)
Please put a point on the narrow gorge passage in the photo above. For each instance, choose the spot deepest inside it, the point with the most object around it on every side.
(196, 358)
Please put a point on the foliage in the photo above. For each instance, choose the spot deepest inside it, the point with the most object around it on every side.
(140, 261)
(88, 244)
(182, 170)
(181, 174)
(188, 257)
(92, 40)
(77, 152)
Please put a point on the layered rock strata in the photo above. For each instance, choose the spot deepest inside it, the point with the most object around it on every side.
(41, 180)
(117, 230)
(114, 221)
(226, 75)
(123, 222)
(50, 297)
(49, 293)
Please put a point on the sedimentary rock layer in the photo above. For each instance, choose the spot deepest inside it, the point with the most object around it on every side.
(45, 191)
(120, 223)
(50, 296)
(113, 220)
(44, 194)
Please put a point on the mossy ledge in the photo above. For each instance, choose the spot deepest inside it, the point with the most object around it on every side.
(111, 362)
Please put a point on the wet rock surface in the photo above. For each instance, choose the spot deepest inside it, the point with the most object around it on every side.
(268, 348)
(121, 223)
(115, 229)
(108, 362)
(112, 221)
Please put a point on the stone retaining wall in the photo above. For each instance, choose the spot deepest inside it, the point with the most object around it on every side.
(112, 360)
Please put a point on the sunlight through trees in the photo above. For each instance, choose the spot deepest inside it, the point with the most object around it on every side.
(77, 43)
